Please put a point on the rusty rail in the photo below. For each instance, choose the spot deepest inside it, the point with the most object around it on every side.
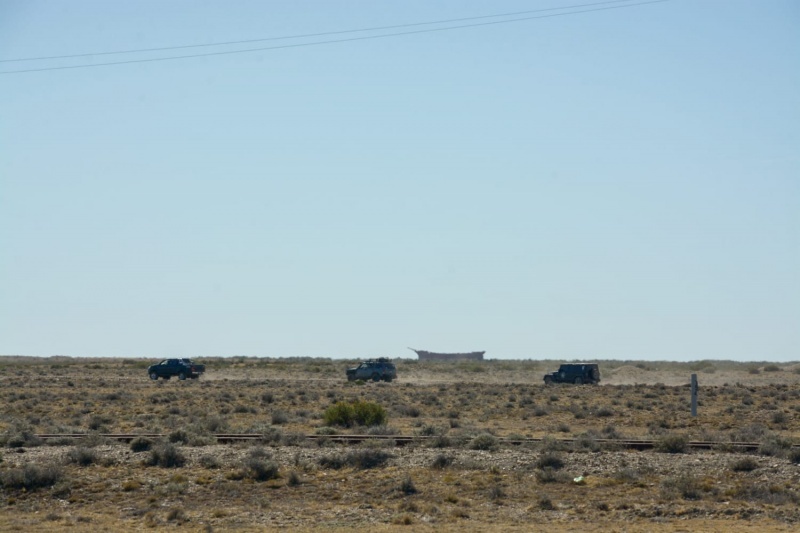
(401, 440)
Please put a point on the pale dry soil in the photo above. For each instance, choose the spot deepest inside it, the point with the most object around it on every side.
(446, 488)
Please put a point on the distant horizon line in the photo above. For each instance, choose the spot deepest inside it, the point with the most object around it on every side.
(409, 358)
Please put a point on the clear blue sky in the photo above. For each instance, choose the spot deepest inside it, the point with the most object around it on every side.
(614, 184)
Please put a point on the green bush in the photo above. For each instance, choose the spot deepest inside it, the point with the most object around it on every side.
(339, 414)
(369, 414)
(360, 413)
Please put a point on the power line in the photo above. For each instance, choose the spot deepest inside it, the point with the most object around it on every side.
(308, 35)
(331, 41)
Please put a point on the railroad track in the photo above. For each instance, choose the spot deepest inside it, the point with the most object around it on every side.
(401, 440)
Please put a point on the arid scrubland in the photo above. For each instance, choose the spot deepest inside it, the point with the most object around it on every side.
(464, 476)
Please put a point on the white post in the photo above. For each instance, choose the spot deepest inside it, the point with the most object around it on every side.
(694, 395)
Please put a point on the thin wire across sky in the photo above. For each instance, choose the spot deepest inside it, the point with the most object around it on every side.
(550, 13)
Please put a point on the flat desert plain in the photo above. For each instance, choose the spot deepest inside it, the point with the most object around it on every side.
(498, 450)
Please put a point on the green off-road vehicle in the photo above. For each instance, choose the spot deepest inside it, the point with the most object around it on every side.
(577, 373)
(380, 369)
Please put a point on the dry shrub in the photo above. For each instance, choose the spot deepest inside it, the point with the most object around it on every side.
(259, 469)
(404, 519)
(16, 437)
(334, 462)
(361, 459)
(549, 444)
(141, 444)
(550, 460)
(586, 442)
(440, 441)
(745, 464)
(774, 446)
(131, 485)
(672, 443)
(166, 456)
(367, 458)
(628, 475)
(545, 503)
(382, 430)
(762, 493)
(360, 412)
(407, 486)
(279, 417)
(30, 477)
(294, 479)
(496, 493)
(779, 417)
(794, 456)
(82, 456)
(176, 515)
(484, 441)
(179, 436)
(685, 485)
(551, 475)
(441, 461)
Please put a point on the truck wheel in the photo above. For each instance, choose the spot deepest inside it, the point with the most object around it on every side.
(181, 376)
(578, 381)
(548, 380)
(376, 377)
(153, 376)
(388, 379)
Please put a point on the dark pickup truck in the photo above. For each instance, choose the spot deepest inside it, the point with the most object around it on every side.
(183, 368)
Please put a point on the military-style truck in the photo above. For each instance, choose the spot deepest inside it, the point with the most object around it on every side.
(183, 368)
(577, 373)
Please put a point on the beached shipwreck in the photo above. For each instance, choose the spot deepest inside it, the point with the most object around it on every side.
(435, 356)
